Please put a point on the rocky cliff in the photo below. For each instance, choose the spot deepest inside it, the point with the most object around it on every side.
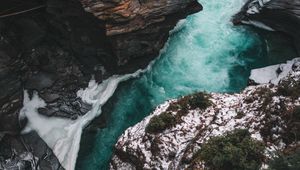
(176, 131)
(138, 29)
(55, 46)
(276, 15)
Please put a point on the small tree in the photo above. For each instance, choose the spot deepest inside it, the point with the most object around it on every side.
(234, 151)
(160, 122)
(289, 161)
(289, 87)
(199, 100)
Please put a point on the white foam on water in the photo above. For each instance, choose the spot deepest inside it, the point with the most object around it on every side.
(63, 135)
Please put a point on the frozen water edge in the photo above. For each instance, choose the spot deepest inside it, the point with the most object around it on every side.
(63, 135)
(272, 74)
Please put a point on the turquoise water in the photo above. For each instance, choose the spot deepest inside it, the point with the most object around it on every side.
(206, 53)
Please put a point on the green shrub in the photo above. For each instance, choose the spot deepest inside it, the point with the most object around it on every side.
(166, 120)
(289, 87)
(289, 161)
(160, 122)
(234, 151)
(199, 100)
(292, 129)
(240, 114)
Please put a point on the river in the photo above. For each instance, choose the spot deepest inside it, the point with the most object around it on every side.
(205, 52)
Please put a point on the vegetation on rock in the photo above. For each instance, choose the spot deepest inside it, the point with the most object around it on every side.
(292, 130)
(289, 87)
(198, 100)
(166, 120)
(234, 151)
(160, 122)
(290, 161)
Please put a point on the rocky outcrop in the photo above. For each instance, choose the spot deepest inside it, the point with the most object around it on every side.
(54, 47)
(279, 15)
(265, 110)
(52, 50)
(138, 29)
(57, 47)
(26, 152)
(49, 51)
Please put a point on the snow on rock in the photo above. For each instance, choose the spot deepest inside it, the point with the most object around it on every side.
(258, 25)
(257, 108)
(273, 74)
(256, 5)
(63, 135)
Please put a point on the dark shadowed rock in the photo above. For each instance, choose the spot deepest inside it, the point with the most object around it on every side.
(279, 15)
(40, 81)
(56, 48)
(26, 152)
(136, 29)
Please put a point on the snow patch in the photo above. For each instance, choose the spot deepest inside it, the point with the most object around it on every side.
(63, 135)
(258, 24)
(273, 74)
(170, 148)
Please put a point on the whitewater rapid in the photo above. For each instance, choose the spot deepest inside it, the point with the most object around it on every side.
(63, 135)
(205, 52)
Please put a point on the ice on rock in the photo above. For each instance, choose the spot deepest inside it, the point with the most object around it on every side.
(272, 74)
(198, 126)
(256, 5)
(63, 135)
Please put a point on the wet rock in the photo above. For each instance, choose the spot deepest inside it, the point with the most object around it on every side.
(56, 49)
(278, 15)
(45, 51)
(49, 98)
(40, 81)
(67, 108)
(252, 83)
(136, 29)
(26, 152)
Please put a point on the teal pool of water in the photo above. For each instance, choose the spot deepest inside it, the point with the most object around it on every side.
(204, 53)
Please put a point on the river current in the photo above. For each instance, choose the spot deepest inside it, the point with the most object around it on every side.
(205, 52)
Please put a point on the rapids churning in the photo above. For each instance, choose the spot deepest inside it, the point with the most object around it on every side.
(205, 52)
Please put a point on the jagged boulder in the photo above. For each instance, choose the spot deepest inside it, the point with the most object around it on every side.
(279, 15)
(138, 29)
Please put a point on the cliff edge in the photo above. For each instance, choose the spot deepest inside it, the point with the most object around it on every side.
(177, 131)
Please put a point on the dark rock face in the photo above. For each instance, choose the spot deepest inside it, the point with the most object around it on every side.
(279, 15)
(56, 46)
(26, 152)
(138, 29)
(53, 50)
